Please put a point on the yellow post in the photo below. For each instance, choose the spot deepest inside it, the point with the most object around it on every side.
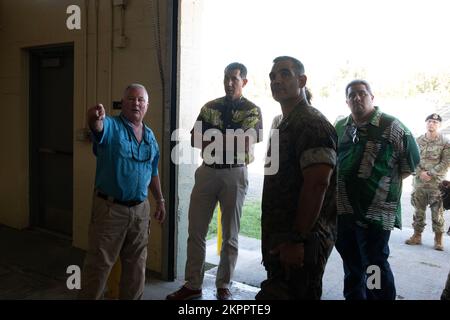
(112, 291)
(219, 230)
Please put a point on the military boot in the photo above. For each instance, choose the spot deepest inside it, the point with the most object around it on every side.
(438, 241)
(415, 239)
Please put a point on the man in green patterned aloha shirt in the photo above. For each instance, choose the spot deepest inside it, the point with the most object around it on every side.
(375, 153)
(434, 162)
(221, 178)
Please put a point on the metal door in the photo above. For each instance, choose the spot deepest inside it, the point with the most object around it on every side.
(51, 138)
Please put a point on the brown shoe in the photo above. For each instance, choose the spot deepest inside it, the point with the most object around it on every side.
(185, 293)
(223, 294)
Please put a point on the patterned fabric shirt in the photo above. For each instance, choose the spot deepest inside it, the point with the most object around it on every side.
(371, 161)
(222, 114)
(305, 138)
(434, 158)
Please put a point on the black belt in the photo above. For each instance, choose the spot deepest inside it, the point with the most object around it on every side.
(224, 166)
(130, 203)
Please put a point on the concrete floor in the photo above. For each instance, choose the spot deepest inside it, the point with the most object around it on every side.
(33, 266)
(420, 272)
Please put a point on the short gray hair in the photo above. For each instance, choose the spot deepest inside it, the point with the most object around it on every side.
(135, 86)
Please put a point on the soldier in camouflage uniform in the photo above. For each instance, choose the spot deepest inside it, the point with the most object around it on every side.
(434, 162)
(298, 203)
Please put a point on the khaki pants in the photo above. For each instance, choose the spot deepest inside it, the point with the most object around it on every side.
(228, 187)
(114, 231)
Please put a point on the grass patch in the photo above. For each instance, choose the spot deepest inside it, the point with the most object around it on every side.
(250, 221)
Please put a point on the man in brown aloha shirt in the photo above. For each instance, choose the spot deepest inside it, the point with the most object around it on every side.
(298, 205)
(221, 178)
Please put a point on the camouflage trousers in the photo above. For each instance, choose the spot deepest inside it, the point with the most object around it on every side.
(303, 283)
(420, 199)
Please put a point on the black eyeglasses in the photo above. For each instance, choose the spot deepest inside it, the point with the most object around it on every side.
(354, 134)
(149, 154)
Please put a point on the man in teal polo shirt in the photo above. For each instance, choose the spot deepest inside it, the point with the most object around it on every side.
(375, 153)
(127, 165)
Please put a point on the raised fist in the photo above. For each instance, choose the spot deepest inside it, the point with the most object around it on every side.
(98, 112)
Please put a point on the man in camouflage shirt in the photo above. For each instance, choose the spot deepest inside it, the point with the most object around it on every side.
(298, 205)
(225, 131)
(375, 152)
(434, 162)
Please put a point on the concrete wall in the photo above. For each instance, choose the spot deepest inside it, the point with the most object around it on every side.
(102, 70)
(191, 89)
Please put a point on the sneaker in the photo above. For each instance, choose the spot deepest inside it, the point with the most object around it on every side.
(223, 294)
(185, 293)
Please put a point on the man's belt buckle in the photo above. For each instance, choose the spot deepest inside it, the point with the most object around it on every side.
(129, 203)
(225, 166)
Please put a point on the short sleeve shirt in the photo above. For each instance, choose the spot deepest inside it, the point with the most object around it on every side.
(305, 138)
(371, 161)
(223, 114)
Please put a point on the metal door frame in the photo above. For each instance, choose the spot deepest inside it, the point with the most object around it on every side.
(35, 53)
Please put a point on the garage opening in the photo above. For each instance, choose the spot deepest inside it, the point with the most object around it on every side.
(398, 47)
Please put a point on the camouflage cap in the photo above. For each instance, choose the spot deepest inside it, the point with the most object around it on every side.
(434, 116)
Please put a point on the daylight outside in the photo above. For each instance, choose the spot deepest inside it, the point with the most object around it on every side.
(404, 56)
